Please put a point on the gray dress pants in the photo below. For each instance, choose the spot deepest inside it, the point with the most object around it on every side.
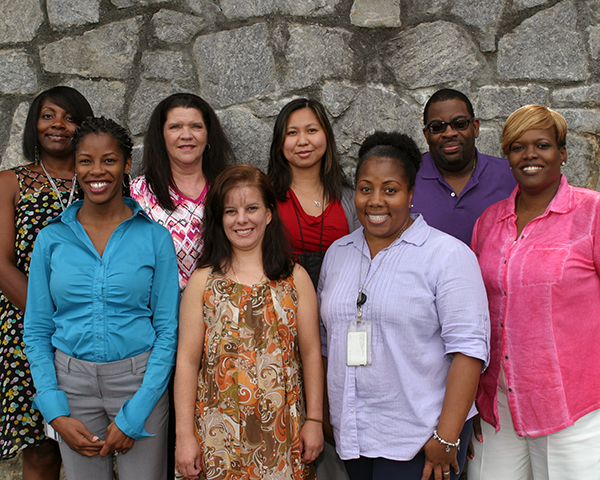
(96, 392)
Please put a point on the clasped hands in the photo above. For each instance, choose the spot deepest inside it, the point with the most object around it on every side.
(76, 435)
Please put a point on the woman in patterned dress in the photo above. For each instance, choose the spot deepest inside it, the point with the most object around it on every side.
(185, 148)
(30, 196)
(249, 324)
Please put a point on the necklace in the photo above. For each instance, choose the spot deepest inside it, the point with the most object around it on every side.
(238, 280)
(55, 188)
(362, 297)
(317, 203)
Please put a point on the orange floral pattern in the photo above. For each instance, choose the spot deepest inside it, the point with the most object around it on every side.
(250, 403)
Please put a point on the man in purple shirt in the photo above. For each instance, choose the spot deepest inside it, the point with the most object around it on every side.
(456, 183)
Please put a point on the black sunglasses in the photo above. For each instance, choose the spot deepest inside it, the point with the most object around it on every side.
(437, 126)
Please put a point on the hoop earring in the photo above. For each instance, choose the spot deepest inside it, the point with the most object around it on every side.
(207, 148)
(128, 183)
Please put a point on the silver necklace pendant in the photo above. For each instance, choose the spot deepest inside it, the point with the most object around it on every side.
(317, 204)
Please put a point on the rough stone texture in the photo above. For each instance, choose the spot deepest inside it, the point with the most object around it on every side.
(250, 137)
(337, 96)
(584, 96)
(594, 41)
(428, 7)
(204, 8)
(13, 155)
(525, 54)
(145, 99)
(236, 9)
(479, 13)
(579, 165)
(106, 98)
(133, 3)
(249, 71)
(500, 102)
(166, 65)
(19, 20)
(176, 27)
(16, 73)
(330, 55)
(108, 51)
(376, 13)
(67, 13)
(489, 140)
(521, 4)
(418, 57)
(581, 120)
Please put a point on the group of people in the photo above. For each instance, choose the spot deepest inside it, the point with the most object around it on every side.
(314, 329)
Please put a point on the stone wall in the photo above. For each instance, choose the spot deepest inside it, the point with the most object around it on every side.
(373, 63)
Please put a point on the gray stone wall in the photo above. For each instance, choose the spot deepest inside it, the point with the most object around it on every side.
(373, 63)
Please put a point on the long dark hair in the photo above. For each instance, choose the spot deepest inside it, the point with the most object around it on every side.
(278, 260)
(155, 162)
(98, 125)
(279, 171)
(67, 98)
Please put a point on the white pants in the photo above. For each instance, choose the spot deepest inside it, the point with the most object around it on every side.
(569, 454)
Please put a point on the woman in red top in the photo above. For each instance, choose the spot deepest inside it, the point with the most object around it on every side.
(315, 200)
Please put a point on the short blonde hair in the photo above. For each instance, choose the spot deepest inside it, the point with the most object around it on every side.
(533, 117)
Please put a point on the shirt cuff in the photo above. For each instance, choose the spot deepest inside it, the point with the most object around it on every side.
(134, 413)
(52, 404)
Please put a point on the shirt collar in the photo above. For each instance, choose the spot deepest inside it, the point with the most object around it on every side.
(429, 169)
(561, 203)
(70, 214)
(416, 234)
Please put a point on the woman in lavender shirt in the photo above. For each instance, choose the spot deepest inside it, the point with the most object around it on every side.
(405, 329)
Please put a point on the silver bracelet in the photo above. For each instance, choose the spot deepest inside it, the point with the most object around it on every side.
(444, 442)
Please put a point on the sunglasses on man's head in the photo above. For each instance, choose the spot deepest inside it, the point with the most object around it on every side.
(437, 126)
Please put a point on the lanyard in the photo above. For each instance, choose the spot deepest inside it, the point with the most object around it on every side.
(55, 188)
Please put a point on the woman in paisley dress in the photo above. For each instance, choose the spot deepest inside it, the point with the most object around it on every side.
(30, 196)
(248, 330)
(185, 148)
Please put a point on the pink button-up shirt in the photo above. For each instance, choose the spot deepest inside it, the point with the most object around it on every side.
(544, 295)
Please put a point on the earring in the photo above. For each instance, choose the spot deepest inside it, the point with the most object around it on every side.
(207, 148)
(126, 184)
(563, 163)
(411, 205)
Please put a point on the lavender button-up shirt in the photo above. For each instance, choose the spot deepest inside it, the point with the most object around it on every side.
(426, 299)
(490, 182)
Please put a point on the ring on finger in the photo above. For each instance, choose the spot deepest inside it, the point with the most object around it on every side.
(446, 473)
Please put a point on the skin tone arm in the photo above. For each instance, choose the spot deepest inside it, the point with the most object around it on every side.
(13, 282)
(309, 341)
(188, 455)
(461, 388)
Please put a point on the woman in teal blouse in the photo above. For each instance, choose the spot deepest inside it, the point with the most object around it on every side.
(101, 321)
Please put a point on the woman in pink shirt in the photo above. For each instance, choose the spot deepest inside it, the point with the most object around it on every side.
(539, 252)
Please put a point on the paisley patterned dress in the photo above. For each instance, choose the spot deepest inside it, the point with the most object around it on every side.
(20, 424)
(250, 405)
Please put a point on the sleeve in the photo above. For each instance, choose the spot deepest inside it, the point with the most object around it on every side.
(164, 302)
(322, 279)
(347, 201)
(462, 305)
(39, 328)
(596, 235)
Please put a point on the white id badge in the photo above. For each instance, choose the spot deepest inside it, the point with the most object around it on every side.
(51, 433)
(358, 350)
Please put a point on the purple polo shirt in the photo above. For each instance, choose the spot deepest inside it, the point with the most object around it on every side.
(441, 208)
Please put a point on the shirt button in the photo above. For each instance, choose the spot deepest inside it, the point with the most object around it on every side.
(501, 325)
(351, 410)
(510, 389)
(504, 262)
(453, 194)
(506, 357)
(504, 292)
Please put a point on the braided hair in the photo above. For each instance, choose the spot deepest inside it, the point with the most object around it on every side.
(98, 125)
(395, 146)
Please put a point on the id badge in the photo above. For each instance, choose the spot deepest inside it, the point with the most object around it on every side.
(358, 349)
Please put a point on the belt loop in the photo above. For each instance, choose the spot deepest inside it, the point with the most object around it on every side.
(69, 358)
(133, 365)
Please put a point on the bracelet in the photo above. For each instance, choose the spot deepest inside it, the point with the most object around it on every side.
(447, 444)
(313, 420)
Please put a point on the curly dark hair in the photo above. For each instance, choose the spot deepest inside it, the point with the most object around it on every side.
(278, 260)
(65, 97)
(97, 125)
(279, 171)
(155, 161)
(396, 146)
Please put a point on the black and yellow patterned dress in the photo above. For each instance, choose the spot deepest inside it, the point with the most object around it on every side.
(21, 425)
